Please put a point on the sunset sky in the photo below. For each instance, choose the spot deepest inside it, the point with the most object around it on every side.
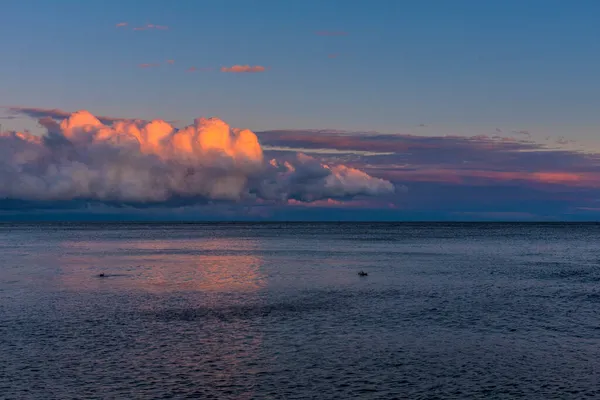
(367, 110)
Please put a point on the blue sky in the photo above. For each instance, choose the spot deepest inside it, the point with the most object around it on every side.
(461, 67)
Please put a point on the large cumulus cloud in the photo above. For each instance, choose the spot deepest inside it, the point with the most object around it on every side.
(81, 157)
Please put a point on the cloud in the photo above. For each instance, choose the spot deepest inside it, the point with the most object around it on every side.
(55, 114)
(151, 26)
(334, 55)
(331, 33)
(34, 112)
(243, 68)
(377, 142)
(50, 124)
(564, 141)
(487, 177)
(478, 160)
(304, 178)
(121, 24)
(171, 62)
(151, 165)
(140, 162)
(317, 203)
(332, 203)
(148, 65)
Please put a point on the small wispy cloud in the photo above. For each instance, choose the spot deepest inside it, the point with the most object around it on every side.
(243, 68)
(148, 65)
(171, 62)
(331, 33)
(151, 26)
(191, 69)
(564, 141)
(121, 24)
(43, 114)
(333, 55)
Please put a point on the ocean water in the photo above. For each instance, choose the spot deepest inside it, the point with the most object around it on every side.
(278, 311)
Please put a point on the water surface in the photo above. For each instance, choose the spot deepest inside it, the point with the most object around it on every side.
(254, 311)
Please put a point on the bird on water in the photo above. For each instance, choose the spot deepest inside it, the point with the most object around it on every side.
(362, 273)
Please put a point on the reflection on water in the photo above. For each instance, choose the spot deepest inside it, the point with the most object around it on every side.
(203, 264)
(207, 265)
(278, 311)
(148, 322)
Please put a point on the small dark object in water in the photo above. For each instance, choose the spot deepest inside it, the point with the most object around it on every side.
(101, 275)
(362, 273)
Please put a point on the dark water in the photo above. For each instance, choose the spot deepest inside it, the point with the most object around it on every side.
(278, 311)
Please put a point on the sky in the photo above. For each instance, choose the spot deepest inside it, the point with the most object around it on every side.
(461, 110)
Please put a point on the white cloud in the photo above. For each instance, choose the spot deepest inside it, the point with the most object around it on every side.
(140, 161)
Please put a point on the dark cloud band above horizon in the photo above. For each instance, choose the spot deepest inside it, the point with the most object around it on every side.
(477, 159)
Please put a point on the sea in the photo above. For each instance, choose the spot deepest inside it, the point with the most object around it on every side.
(279, 311)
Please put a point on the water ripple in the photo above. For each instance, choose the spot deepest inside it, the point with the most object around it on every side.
(277, 311)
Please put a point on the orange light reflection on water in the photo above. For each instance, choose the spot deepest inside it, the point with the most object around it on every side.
(174, 265)
(206, 264)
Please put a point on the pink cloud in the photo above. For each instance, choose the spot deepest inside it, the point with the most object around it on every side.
(334, 55)
(458, 176)
(171, 62)
(121, 24)
(564, 177)
(151, 26)
(159, 163)
(243, 68)
(457, 160)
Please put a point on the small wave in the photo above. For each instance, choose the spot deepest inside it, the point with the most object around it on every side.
(240, 312)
